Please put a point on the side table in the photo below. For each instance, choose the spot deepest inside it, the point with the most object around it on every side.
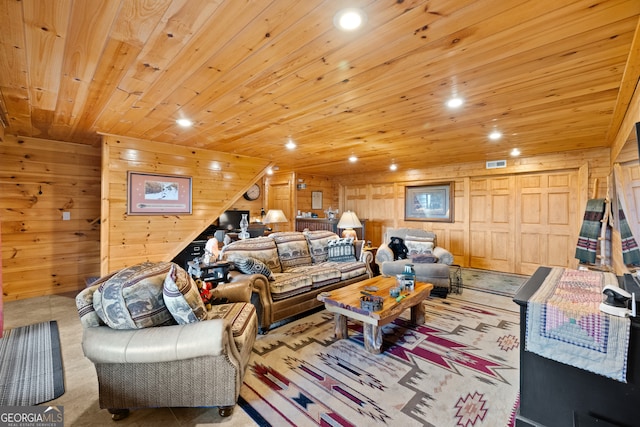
(374, 267)
(213, 273)
(455, 278)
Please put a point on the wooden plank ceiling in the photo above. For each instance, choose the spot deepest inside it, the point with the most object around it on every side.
(253, 73)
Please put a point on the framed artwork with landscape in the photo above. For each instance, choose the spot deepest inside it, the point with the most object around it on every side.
(433, 202)
(153, 194)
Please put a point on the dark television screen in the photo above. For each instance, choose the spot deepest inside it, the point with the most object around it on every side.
(230, 220)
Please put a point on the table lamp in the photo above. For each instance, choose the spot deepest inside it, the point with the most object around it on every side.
(275, 216)
(348, 221)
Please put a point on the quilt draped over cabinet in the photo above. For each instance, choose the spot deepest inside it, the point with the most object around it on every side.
(565, 324)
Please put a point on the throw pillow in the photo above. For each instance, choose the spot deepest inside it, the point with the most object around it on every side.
(261, 248)
(132, 298)
(398, 248)
(182, 298)
(318, 241)
(424, 258)
(84, 303)
(418, 245)
(341, 250)
(248, 265)
(293, 249)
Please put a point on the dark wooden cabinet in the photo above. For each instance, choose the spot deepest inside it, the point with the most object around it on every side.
(327, 224)
(553, 394)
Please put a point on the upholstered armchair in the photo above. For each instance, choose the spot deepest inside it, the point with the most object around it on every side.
(154, 344)
(430, 261)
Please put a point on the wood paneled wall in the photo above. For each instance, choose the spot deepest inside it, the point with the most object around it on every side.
(624, 151)
(316, 183)
(218, 180)
(42, 254)
(39, 180)
(380, 198)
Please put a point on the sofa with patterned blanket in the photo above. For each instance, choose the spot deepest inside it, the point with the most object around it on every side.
(154, 343)
(402, 246)
(287, 270)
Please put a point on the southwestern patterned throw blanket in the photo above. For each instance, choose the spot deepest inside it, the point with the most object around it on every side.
(564, 323)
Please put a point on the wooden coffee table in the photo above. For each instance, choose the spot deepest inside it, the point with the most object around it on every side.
(345, 303)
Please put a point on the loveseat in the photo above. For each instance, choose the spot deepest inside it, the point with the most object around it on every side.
(287, 270)
(420, 248)
(154, 343)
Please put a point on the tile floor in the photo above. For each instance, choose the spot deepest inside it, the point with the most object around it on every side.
(80, 399)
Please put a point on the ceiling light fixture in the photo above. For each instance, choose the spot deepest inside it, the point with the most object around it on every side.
(455, 102)
(495, 135)
(353, 159)
(515, 152)
(290, 145)
(185, 123)
(393, 167)
(349, 19)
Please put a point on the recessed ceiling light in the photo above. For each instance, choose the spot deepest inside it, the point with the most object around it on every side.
(269, 171)
(393, 167)
(353, 159)
(515, 152)
(349, 19)
(290, 145)
(495, 135)
(185, 123)
(455, 102)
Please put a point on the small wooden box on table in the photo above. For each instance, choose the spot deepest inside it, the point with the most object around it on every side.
(345, 303)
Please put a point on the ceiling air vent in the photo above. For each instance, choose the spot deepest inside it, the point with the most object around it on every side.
(494, 164)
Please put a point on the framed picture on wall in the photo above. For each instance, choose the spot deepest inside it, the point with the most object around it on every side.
(432, 202)
(316, 200)
(153, 194)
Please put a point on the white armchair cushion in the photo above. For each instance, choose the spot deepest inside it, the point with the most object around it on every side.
(150, 345)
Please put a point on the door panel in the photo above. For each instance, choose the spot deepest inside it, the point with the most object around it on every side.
(544, 233)
(521, 222)
(490, 228)
(280, 198)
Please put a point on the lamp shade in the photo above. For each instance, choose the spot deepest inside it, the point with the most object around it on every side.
(274, 216)
(349, 220)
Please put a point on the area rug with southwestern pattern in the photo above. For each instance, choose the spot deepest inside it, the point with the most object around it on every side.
(458, 369)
